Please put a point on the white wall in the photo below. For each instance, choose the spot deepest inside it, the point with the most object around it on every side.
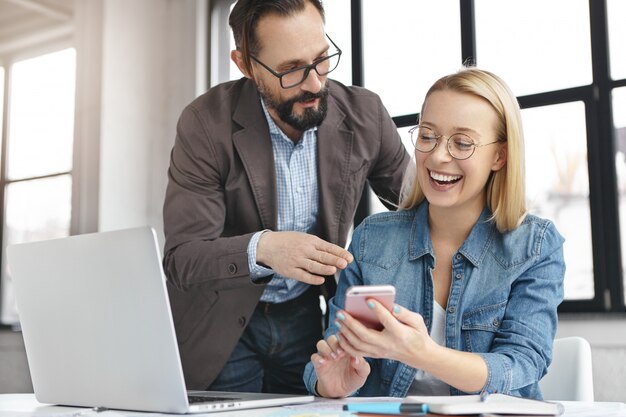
(136, 70)
(147, 75)
(607, 337)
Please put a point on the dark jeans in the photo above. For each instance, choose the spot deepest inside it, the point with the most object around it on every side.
(273, 350)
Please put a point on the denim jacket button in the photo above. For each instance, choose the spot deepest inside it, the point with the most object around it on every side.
(459, 276)
(496, 322)
(451, 309)
(458, 257)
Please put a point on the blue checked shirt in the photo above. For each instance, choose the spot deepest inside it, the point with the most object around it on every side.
(298, 203)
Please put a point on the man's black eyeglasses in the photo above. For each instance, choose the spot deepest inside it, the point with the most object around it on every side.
(296, 76)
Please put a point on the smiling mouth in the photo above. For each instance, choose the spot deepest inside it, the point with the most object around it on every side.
(308, 102)
(443, 179)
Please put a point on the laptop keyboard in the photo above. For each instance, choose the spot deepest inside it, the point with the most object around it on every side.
(202, 399)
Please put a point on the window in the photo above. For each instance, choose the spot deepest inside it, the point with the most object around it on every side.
(535, 52)
(616, 11)
(556, 63)
(567, 68)
(396, 64)
(36, 179)
(619, 120)
(557, 185)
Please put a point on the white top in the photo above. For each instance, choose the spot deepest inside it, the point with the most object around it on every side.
(425, 383)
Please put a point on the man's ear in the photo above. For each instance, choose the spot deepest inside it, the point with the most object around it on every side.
(237, 58)
(500, 158)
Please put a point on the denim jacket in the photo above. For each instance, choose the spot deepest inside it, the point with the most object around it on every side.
(503, 297)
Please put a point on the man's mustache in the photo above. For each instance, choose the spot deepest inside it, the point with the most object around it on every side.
(308, 96)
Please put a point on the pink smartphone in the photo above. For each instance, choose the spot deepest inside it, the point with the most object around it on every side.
(356, 302)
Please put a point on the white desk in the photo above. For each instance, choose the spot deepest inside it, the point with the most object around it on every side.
(25, 405)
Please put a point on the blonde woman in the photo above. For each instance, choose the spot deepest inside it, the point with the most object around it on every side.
(478, 279)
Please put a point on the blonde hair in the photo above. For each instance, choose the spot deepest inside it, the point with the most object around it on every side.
(505, 188)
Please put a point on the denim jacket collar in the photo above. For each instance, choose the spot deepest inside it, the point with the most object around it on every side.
(474, 248)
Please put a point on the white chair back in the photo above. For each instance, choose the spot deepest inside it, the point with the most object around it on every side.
(569, 376)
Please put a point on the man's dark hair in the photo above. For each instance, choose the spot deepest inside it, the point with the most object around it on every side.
(245, 17)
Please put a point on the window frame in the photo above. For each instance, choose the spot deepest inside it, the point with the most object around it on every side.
(603, 194)
(7, 60)
(601, 142)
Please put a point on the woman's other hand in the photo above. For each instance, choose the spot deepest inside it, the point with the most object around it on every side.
(338, 374)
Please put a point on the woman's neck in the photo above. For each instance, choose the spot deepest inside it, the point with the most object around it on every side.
(452, 224)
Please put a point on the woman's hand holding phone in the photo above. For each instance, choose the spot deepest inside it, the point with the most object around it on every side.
(404, 336)
(356, 302)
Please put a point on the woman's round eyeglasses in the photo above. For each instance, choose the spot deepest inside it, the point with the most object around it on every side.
(459, 145)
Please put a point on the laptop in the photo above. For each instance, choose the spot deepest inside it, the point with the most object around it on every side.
(98, 329)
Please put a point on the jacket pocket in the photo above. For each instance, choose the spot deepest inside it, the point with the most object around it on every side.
(480, 325)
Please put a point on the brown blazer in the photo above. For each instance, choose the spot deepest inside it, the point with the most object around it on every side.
(222, 189)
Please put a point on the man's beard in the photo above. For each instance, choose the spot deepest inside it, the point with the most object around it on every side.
(310, 117)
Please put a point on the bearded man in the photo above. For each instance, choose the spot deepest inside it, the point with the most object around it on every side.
(265, 177)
